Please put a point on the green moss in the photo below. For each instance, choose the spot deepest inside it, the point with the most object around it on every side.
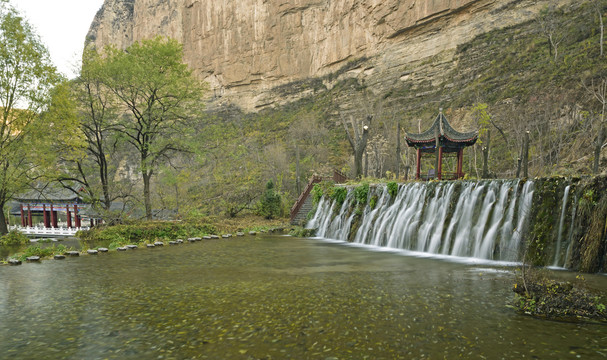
(392, 189)
(361, 193)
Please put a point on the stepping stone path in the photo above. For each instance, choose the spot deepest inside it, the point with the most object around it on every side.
(103, 250)
(132, 247)
(252, 233)
(33, 258)
(92, 252)
(150, 245)
(206, 237)
(239, 234)
(225, 236)
(179, 241)
(159, 243)
(214, 237)
(173, 243)
(122, 248)
(72, 253)
(59, 257)
(14, 262)
(192, 240)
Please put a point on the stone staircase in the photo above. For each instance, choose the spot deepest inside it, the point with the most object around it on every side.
(301, 216)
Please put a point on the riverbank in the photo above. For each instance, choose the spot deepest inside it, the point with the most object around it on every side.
(140, 233)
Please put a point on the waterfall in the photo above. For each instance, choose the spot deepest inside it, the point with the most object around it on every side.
(484, 220)
(557, 250)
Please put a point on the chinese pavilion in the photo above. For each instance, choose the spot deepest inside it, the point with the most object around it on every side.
(443, 137)
(48, 204)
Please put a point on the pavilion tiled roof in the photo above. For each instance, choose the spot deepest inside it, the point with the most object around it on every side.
(447, 134)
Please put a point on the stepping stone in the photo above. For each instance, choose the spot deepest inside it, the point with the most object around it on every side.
(33, 258)
(132, 247)
(225, 236)
(122, 248)
(103, 250)
(159, 243)
(59, 257)
(206, 237)
(150, 245)
(92, 252)
(72, 253)
(179, 241)
(197, 239)
(252, 233)
(214, 237)
(239, 234)
(14, 262)
(192, 240)
(173, 242)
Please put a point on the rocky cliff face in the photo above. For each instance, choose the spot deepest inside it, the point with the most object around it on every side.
(245, 49)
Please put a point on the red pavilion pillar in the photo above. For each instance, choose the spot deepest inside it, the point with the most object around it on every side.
(77, 217)
(419, 164)
(69, 216)
(22, 216)
(52, 217)
(44, 216)
(439, 175)
(29, 215)
(460, 163)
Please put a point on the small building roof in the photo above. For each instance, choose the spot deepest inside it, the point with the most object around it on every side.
(48, 193)
(448, 136)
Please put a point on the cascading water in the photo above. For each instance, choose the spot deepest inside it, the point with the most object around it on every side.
(557, 251)
(483, 220)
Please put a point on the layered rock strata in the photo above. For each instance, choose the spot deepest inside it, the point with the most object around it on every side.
(245, 49)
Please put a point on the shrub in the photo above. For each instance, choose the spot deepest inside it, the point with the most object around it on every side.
(14, 238)
(361, 193)
(270, 204)
(392, 189)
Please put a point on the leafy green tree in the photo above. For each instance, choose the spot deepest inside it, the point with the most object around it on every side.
(27, 77)
(160, 95)
(97, 113)
(270, 204)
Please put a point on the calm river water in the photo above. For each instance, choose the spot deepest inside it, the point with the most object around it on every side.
(274, 298)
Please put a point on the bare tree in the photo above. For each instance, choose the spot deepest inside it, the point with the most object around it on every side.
(551, 28)
(598, 7)
(358, 141)
(598, 90)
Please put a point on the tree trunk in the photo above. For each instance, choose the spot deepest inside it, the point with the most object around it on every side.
(526, 155)
(3, 227)
(597, 151)
(486, 156)
(398, 151)
(297, 174)
(146, 194)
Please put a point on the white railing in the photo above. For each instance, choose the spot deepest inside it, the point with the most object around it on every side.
(42, 231)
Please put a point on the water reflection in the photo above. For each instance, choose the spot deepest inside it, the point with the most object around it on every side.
(273, 297)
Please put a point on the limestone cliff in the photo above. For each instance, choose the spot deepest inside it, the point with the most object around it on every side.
(244, 49)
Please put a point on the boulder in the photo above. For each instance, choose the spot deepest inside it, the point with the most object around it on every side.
(103, 250)
(72, 253)
(59, 257)
(14, 262)
(92, 252)
(33, 258)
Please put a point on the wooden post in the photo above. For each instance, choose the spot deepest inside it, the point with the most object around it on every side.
(439, 174)
(22, 216)
(419, 164)
(29, 215)
(460, 163)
